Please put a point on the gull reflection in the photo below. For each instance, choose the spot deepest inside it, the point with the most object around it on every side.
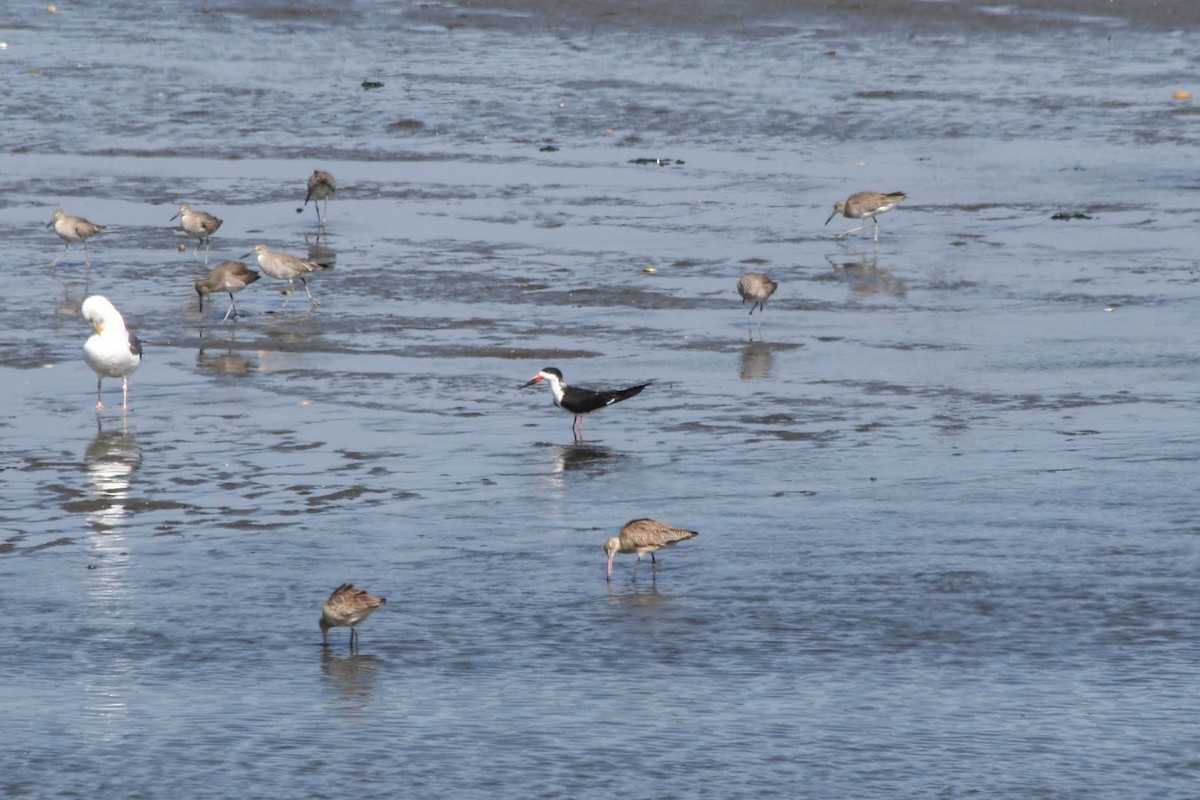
(865, 276)
(111, 459)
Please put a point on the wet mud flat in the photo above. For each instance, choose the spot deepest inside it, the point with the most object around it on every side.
(944, 490)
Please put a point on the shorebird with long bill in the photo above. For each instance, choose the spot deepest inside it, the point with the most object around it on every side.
(346, 608)
(580, 402)
(284, 267)
(199, 225)
(642, 536)
(321, 186)
(74, 230)
(865, 205)
(228, 276)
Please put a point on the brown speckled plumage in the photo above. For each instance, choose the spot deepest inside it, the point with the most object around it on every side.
(346, 607)
(644, 536)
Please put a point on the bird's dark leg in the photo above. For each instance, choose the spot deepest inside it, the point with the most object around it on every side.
(308, 292)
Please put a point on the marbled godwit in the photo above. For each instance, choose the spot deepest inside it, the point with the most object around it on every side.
(112, 351)
(756, 287)
(286, 268)
(200, 225)
(74, 230)
(580, 401)
(345, 608)
(644, 536)
(864, 205)
(228, 276)
(321, 186)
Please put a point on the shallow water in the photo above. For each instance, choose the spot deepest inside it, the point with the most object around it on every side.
(945, 491)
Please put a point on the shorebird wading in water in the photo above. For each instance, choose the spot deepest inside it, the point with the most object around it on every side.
(644, 536)
(321, 186)
(199, 225)
(580, 401)
(74, 230)
(345, 608)
(864, 205)
(756, 287)
(228, 276)
(112, 351)
(287, 268)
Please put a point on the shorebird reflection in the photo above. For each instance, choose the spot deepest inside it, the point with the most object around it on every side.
(321, 254)
(638, 594)
(758, 358)
(228, 362)
(351, 675)
(581, 456)
(865, 277)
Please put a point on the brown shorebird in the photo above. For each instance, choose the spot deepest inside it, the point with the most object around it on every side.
(200, 225)
(644, 536)
(283, 267)
(228, 276)
(112, 351)
(73, 230)
(864, 205)
(345, 608)
(580, 401)
(321, 186)
(756, 287)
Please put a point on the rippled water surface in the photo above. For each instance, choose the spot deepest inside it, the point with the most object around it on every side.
(946, 491)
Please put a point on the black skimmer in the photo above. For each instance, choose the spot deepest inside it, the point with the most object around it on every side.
(346, 608)
(865, 205)
(199, 225)
(321, 186)
(644, 536)
(578, 401)
(112, 351)
(228, 276)
(756, 287)
(73, 230)
(286, 268)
